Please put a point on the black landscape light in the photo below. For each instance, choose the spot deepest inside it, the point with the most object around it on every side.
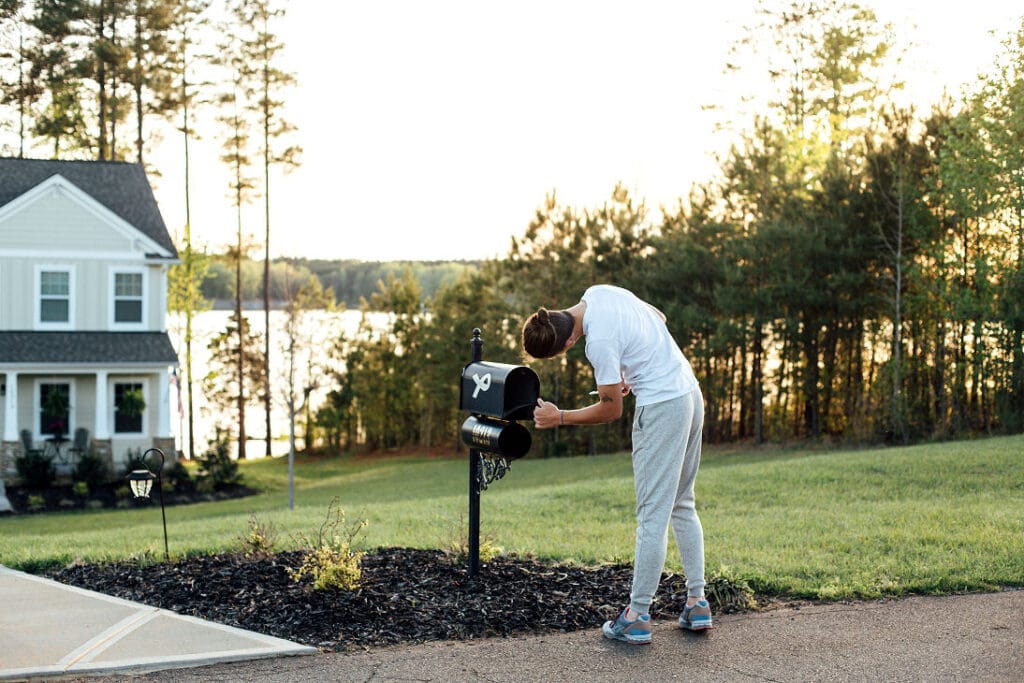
(141, 482)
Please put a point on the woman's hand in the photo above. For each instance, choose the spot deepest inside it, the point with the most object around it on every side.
(546, 415)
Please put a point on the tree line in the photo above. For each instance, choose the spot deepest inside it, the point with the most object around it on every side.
(349, 281)
(853, 272)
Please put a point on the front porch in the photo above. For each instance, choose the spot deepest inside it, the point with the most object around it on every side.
(94, 415)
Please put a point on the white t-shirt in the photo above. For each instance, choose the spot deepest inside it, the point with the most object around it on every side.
(628, 341)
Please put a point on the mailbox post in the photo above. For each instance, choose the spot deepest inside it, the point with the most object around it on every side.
(496, 395)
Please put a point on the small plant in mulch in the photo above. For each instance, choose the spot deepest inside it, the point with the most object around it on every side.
(330, 560)
(456, 545)
(260, 539)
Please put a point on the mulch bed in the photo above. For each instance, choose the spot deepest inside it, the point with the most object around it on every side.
(406, 596)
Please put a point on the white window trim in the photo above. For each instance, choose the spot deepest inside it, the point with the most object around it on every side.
(37, 407)
(37, 297)
(112, 407)
(112, 299)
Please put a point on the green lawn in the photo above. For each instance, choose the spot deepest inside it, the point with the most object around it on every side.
(932, 518)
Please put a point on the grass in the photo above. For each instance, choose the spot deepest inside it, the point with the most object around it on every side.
(840, 524)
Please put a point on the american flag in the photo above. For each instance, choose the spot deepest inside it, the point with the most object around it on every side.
(177, 390)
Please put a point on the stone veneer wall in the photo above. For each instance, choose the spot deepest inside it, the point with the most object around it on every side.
(9, 450)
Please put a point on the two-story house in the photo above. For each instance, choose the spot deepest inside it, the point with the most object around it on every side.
(84, 254)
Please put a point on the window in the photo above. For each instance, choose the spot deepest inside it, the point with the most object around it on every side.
(55, 296)
(129, 406)
(54, 408)
(127, 297)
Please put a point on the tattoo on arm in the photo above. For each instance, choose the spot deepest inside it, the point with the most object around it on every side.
(605, 398)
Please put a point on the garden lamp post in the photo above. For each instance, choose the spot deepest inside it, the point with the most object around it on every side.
(141, 482)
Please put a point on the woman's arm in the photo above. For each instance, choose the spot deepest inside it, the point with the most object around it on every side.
(607, 409)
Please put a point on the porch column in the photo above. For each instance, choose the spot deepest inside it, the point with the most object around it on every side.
(11, 408)
(163, 411)
(102, 428)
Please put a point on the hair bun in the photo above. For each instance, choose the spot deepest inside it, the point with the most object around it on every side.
(543, 317)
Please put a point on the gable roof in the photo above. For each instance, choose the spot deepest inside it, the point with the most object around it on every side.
(119, 186)
(86, 347)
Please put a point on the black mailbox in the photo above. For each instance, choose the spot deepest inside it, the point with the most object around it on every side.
(496, 395)
(507, 392)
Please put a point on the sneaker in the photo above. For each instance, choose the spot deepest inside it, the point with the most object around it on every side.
(696, 617)
(636, 632)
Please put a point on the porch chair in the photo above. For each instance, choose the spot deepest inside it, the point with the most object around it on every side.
(27, 447)
(81, 443)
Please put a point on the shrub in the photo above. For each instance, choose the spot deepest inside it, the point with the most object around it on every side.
(330, 560)
(80, 489)
(135, 461)
(36, 470)
(91, 470)
(216, 466)
(35, 503)
(178, 477)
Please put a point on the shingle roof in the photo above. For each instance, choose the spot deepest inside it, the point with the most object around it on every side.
(121, 187)
(86, 347)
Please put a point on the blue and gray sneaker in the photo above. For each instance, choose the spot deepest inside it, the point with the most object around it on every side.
(636, 632)
(696, 617)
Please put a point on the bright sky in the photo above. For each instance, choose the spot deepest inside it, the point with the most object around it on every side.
(434, 130)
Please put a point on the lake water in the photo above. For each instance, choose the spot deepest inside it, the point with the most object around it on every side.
(319, 331)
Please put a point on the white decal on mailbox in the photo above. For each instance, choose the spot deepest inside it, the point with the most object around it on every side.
(482, 383)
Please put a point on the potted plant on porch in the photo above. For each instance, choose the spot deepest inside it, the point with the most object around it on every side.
(56, 407)
(131, 404)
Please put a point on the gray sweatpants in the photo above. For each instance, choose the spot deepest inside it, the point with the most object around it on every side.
(666, 455)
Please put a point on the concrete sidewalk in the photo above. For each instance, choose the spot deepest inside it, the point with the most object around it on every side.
(49, 629)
